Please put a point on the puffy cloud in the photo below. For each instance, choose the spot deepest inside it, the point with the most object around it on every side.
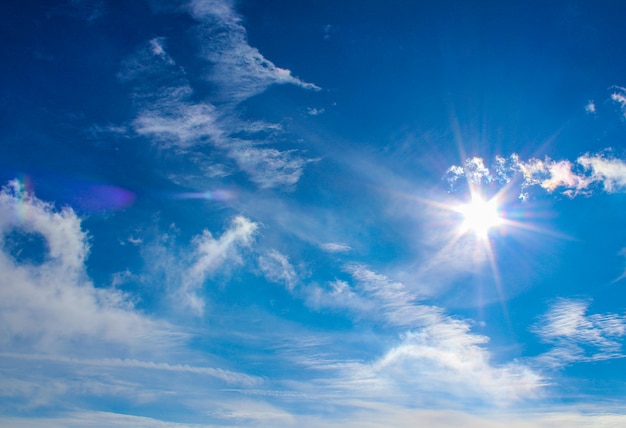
(46, 301)
(312, 111)
(564, 176)
(567, 326)
(619, 96)
(476, 171)
(610, 172)
(473, 169)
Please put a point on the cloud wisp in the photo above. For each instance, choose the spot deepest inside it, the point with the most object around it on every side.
(435, 348)
(578, 337)
(239, 70)
(186, 272)
(173, 118)
(276, 268)
(582, 177)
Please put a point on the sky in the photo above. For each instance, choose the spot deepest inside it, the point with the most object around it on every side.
(345, 213)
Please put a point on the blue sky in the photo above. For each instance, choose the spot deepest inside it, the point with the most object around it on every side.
(312, 213)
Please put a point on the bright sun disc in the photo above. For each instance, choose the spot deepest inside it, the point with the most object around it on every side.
(479, 216)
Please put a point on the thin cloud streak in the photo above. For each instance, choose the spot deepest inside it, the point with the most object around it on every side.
(578, 337)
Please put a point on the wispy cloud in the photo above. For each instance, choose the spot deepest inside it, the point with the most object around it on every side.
(371, 416)
(312, 111)
(175, 123)
(276, 268)
(88, 10)
(187, 270)
(239, 70)
(335, 247)
(172, 118)
(581, 177)
(269, 167)
(227, 376)
(438, 349)
(152, 64)
(577, 336)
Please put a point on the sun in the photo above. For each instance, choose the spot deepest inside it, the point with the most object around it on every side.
(480, 216)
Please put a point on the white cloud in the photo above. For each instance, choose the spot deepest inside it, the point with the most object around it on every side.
(315, 111)
(52, 304)
(369, 416)
(157, 47)
(93, 420)
(338, 295)
(239, 69)
(564, 176)
(590, 107)
(269, 167)
(227, 376)
(151, 62)
(567, 326)
(174, 122)
(171, 120)
(561, 175)
(446, 357)
(335, 247)
(210, 254)
(276, 268)
(619, 96)
(397, 305)
(610, 172)
(476, 171)
(437, 349)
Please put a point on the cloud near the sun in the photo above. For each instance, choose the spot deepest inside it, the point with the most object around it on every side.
(588, 173)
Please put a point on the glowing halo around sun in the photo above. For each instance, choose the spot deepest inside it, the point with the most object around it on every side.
(480, 216)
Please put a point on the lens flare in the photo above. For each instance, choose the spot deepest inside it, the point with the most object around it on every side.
(214, 195)
(480, 216)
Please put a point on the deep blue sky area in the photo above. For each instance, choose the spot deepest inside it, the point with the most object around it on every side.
(316, 213)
